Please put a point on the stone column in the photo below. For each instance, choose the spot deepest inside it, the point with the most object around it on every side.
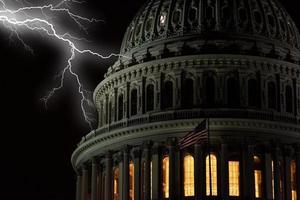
(277, 175)
(94, 179)
(78, 186)
(156, 172)
(197, 163)
(248, 173)
(172, 168)
(297, 149)
(146, 178)
(100, 182)
(108, 176)
(200, 175)
(84, 186)
(287, 173)
(224, 172)
(126, 175)
(268, 174)
(136, 153)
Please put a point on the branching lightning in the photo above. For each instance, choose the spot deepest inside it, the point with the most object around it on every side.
(17, 19)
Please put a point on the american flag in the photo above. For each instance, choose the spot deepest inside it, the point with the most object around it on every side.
(199, 133)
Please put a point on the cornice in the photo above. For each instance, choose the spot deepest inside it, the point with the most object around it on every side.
(235, 127)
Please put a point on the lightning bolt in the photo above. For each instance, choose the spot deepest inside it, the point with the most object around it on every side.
(25, 17)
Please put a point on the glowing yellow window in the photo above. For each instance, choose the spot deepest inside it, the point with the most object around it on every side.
(165, 177)
(258, 183)
(211, 175)
(257, 177)
(293, 180)
(131, 181)
(189, 183)
(116, 183)
(234, 178)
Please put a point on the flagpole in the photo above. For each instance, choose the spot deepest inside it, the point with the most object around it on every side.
(209, 160)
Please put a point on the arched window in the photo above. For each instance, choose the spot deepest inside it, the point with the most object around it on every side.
(293, 180)
(253, 93)
(258, 178)
(116, 183)
(150, 97)
(168, 95)
(210, 91)
(289, 99)
(165, 177)
(120, 107)
(131, 181)
(133, 102)
(233, 94)
(234, 177)
(110, 112)
(188, 169)
(211, 175)
(271, 95)
(188, 93)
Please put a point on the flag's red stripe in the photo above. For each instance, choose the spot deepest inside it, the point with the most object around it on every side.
(193, 139)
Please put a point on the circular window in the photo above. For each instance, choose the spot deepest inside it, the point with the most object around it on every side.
(177, 17)
(138, 29)
(193, 14)
(163, 19)
(149, 24)
(271, 20)
(257, 17)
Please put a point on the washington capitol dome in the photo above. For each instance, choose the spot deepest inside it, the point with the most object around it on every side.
(234, 63)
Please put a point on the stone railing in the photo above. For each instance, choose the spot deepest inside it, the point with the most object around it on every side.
(193, 114)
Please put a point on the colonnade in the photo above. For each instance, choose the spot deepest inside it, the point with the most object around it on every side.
(96, 179)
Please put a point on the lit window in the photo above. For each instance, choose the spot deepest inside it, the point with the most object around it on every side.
(165, 177)
(234, 178)
(189, 183)
(258, 183)
(257, 177)
(116, 183)
(211, 175)
(163, 19)
(131, 181)
(293, 180)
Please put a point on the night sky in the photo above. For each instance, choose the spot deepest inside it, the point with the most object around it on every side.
(36, 144)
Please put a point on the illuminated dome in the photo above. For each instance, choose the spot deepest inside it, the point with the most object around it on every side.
(234, 62)
(167, 28)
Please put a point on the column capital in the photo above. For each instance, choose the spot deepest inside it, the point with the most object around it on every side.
(120, 157)
(95, 160)
(108, 155)
(147, 145)
(79, 172)
(297, 148)
(84, 167)
(288, 151)
(136, 152)
(171, 142)
(155, 148)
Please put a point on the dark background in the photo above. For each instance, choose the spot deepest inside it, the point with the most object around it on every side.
(36, 144)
